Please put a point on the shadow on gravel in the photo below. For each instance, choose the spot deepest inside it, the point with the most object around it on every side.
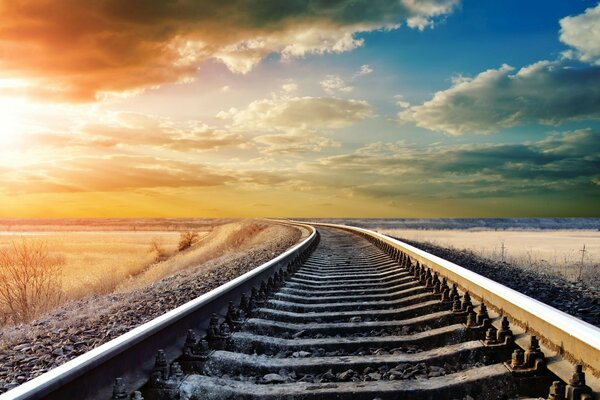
(576, 299)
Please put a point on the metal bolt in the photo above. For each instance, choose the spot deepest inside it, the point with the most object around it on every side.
(456, 305)
(190, 342)
(466, 303)
(454, 294)
(176, 371)
(244, 302)
(470, 319)
(578, 378)
(504, 332)
(518, 359)
(137, 396)
(482, 313)
(577, 389)
(202, 347)
(161, 365)
(490, 337)
(446, 295)
(557, 391)
(119, 391)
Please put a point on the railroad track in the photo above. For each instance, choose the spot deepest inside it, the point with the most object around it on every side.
(348, 314)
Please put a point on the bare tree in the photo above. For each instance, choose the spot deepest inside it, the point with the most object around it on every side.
(187, 239)
(30, 280)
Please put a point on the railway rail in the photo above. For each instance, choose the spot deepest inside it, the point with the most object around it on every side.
(346, 314)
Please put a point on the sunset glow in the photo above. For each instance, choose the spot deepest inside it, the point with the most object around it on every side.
(432, 108)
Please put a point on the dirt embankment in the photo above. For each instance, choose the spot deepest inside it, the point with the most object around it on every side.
(229, 251)
(574, 298)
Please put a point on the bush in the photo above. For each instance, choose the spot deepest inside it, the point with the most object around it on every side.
(187, 239)
(30, 280)
(157, 247)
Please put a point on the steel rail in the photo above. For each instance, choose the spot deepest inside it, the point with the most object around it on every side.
(131, 355)
(565, 339)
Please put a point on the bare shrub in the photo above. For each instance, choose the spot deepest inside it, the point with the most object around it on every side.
(187, 239)
(157, 247)
(30, 280)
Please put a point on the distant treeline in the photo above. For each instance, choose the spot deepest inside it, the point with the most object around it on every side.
(469, 223)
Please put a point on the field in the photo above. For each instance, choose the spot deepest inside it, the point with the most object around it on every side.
(551, 251)
(109, 259)
(95, 261)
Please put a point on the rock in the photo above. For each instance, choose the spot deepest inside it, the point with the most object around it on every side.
(298, 334)
(300, 354)
(273, 378)
(374, 376)
(328, 376)
(346, 375)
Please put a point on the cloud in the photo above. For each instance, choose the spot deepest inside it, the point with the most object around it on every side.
(294, 143)
(333, 83)
(400, 102)
(293, 124)
(582, 32)
(299, 112)
(76, 51)
(562, 163)
(136, 130)
(547, 92)
(289, 87)
(364, 70)
(110, 173)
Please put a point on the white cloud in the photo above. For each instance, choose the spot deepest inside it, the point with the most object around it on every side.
(546, 92)
(167, 42)
(293, 143)
(284, 122)
(364, 70)
(582, 32)
(333, 83)
(311, 112)
(289, 87)
(400, 102)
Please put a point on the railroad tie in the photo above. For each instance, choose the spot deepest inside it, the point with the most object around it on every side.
(357, 320)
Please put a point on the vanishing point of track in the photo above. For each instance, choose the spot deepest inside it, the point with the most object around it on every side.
(346, 314)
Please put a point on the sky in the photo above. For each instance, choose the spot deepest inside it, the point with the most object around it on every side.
(299, 108)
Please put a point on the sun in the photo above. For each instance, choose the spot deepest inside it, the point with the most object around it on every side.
(13, 111)
(12, 123)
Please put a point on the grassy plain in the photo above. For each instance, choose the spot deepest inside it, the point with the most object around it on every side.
(107, 256)
(555, 251)
(96, 261)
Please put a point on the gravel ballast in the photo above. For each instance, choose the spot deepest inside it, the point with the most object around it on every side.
(575, 298)
(30, 350)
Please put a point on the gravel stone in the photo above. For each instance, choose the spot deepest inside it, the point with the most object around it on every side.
(28, 351)
(577, 299)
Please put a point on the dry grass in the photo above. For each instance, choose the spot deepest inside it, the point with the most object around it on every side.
(555, 252)
(96, 262)
(104, 262)
(234, 236)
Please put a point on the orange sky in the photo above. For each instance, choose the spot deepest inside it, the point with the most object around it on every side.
(269, 108)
